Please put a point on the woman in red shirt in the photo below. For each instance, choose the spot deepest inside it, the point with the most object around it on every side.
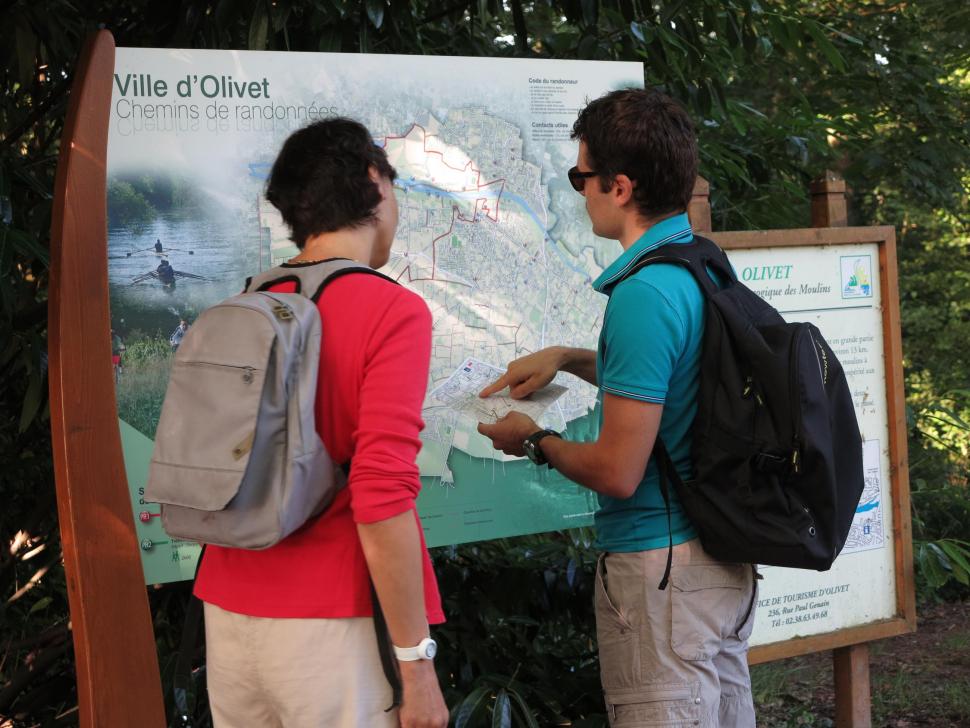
(289, 631)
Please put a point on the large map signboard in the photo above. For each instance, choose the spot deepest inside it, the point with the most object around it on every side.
(490, 234)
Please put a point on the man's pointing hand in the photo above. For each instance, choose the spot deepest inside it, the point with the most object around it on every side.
(528, 374)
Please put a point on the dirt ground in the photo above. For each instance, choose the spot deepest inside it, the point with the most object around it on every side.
(920, 680)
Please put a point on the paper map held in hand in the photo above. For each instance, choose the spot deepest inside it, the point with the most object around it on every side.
(460, 393)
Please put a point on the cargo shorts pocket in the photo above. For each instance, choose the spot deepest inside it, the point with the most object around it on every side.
(704, 603)
(619, 642)
(747, 624)
(676, 704)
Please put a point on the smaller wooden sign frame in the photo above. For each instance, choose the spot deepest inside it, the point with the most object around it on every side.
(904, 620)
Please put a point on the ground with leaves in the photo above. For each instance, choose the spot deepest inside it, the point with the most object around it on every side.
(918, 680)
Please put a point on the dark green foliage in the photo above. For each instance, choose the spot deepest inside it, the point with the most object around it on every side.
(520, 621)
(780, 90)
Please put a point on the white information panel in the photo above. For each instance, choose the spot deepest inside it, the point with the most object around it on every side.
(837, 288)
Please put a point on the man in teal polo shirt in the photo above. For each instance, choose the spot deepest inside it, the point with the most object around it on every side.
(674, 656)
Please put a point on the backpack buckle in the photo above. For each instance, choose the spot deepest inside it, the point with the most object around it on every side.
(283, 312)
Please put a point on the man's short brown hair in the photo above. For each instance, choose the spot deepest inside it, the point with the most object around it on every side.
(648, 137)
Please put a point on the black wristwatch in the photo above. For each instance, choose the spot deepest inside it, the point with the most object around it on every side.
(532, 449)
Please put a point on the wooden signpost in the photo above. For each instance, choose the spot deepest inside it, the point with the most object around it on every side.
(118, 681)
(117, 666)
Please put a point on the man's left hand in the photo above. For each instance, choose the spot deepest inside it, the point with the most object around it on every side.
(510, 432)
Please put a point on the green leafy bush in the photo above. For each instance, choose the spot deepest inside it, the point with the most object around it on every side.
(520, 611)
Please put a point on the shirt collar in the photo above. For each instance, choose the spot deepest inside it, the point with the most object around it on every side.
(674, 229)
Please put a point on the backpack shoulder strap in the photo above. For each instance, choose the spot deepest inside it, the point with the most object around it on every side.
(698, 257)
(310, 278)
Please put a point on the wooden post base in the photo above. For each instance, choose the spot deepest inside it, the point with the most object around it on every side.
(853, 703)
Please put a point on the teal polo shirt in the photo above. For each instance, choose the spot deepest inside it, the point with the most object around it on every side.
(650, 350)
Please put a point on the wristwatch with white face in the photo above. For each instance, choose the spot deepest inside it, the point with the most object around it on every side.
(531, 446)
(426, 650)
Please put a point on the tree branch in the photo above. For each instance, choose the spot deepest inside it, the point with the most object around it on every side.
(31, 672)
(521, 32)
(37, 114)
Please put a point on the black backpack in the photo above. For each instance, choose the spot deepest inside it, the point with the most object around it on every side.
(777, 452)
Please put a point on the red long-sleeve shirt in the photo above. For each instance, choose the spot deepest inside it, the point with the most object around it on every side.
(373, 374)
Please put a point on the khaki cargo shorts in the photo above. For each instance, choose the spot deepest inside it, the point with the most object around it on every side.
(676, 657)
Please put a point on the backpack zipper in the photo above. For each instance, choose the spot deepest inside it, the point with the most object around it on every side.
(248, 372)
(796, 401)
(803, 331)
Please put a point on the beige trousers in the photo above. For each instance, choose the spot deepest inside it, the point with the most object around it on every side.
(676, 657)
(294, 673)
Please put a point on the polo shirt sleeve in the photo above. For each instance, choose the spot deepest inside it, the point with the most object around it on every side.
(644, 336)
(384, 479)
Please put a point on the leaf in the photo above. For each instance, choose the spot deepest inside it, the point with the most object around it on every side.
(470, 706)
(32, 400)
(375, 12)
(502, 711)
(40, 604)
(752, 109)
(780, 35)
(825, 45)
(259, 28)
(957, 420)
(718, 91)
(765, 45)
(930, 566)
(738, 122)
(959, 559)
(524, 710)
(936, 552)
(845, 36)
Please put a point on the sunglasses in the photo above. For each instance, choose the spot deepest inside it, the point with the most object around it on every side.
(578, 179)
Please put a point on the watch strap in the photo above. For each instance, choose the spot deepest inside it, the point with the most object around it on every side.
(535, 438)
(418, 652)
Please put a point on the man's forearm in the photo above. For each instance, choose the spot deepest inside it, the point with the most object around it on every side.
(579, 362)
(591, 465)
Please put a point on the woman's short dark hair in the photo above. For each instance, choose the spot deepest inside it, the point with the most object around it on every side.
(320, 181)
(648, 137)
